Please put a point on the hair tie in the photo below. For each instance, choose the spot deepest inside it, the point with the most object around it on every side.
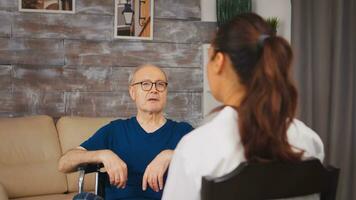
(261, 39)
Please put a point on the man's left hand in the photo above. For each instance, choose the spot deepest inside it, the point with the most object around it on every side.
(155, 171)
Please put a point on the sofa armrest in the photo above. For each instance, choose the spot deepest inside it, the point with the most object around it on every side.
(3, 193)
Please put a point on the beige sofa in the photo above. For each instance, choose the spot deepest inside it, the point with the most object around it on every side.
(30, 148)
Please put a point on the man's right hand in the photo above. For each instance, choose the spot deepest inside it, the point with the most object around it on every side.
(115, 167)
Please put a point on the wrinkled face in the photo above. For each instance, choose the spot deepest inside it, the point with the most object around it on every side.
(149, 89)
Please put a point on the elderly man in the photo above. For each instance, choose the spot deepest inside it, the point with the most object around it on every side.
(136, 152)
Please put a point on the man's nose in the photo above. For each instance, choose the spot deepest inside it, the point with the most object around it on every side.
(154, 88)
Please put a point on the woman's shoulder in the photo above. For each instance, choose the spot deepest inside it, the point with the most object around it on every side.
(213, 148)
(299, 128)
(218, 130)
(195, 137)
(305, 138)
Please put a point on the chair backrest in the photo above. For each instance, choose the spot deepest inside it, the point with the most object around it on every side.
(252, 181)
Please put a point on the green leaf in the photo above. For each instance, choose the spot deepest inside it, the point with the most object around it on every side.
(227, 9)
(273, 22)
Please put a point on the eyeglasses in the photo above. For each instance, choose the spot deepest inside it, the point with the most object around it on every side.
(147, 85)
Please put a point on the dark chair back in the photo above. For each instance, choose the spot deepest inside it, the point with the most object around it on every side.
(256, 181)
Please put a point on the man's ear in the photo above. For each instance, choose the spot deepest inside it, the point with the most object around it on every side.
(132, 92)
(219, 61)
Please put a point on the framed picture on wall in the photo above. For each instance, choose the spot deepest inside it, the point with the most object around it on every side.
(134, 19)
(47, 6)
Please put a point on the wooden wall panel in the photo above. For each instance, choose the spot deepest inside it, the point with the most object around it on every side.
(5, 78)
(177, 9)
(89, 27)
(5, 23)
(31, 51)
(70, 64)
(124, 53)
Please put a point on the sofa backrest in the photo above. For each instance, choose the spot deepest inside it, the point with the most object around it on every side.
(72, 131)
(29, 154)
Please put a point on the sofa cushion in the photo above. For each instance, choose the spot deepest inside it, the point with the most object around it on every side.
(72, 131)
(3, 193)
(50, 197)
(29, 154)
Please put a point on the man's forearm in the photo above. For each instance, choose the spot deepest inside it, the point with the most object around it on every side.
(168, 154)
(70, 160)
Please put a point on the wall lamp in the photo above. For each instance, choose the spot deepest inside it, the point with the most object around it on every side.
(128, 13)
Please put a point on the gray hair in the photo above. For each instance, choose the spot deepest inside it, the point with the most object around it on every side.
(132, 74)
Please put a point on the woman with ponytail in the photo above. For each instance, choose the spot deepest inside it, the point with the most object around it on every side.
(249, 73)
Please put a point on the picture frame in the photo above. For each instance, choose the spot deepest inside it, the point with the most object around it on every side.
(47, 6)
(134, 19)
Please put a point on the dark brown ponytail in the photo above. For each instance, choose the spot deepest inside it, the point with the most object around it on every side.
(262, 62)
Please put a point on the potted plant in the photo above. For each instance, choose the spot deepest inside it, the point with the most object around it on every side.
(273, 22)
(227, 9)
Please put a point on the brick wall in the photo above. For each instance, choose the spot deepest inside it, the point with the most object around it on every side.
(70, 64)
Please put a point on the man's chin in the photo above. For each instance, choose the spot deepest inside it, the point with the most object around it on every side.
(154, 110)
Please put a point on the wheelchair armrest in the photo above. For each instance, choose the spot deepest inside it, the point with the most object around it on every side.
(86, 169)
(90, 168)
